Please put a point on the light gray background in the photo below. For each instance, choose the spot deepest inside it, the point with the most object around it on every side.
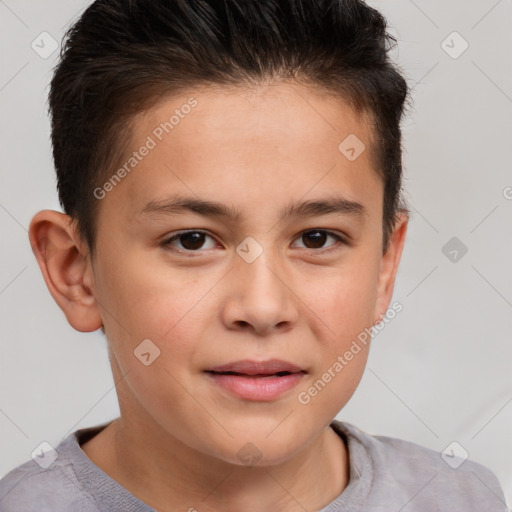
(440, 372)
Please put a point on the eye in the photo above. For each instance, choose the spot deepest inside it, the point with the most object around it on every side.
(194, 240)
(316, 238)
(190, 241)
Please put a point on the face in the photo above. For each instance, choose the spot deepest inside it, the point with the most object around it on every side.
(244, 272)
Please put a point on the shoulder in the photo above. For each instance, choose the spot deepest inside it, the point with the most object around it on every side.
(424, 477)
(33, 488)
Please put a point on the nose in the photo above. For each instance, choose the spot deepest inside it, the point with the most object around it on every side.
(260, 297)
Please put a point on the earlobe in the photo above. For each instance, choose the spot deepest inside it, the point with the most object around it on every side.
(66, 268)
(389, 265)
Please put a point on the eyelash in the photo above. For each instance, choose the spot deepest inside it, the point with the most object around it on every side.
(167, 242)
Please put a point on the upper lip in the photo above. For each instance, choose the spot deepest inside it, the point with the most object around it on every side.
(249, 367)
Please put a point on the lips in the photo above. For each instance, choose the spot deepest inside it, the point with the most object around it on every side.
(262, 381)
(248, 367)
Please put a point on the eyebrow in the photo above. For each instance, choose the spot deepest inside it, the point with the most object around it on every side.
(181, 204)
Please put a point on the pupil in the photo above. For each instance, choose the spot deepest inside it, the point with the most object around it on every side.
(192, 240)
(317, 237)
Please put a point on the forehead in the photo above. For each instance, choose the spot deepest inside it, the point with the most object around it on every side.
(286, 113)
(267, 142)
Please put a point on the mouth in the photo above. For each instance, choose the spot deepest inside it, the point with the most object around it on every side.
(247, 367)
(257, 375)
(257, 380)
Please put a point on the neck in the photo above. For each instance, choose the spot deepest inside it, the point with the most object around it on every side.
(168, 475)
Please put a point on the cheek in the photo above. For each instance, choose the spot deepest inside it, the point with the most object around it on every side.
(344, 299)
(144, 300)
(344, 311)
(343, 306)
(164, 309)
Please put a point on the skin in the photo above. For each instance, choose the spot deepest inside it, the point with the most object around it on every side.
(175, 445)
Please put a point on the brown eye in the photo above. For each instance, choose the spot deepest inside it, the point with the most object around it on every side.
(192, 241)
(316, 238)
(189, 241)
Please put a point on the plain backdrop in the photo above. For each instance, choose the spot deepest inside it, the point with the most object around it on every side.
(439, 372)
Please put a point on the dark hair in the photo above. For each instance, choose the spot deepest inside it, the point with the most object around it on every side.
(122, 56)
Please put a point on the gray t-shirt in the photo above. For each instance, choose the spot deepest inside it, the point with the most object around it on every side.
(386, 475)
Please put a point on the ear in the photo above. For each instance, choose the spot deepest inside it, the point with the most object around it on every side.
(65, 263)
(389, 266)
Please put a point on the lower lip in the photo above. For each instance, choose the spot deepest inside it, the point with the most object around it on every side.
(257, 388)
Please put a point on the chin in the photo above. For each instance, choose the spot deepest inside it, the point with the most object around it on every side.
(255, 447)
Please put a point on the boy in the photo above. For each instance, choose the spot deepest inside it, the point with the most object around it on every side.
(260, 129)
